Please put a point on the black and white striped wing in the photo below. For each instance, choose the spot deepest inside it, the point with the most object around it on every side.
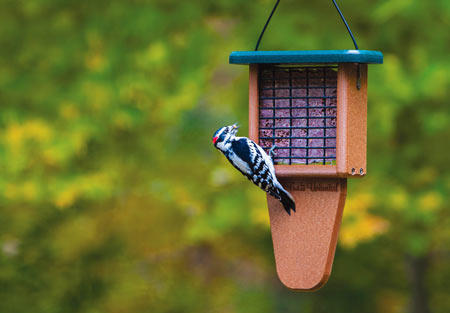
(259, 166)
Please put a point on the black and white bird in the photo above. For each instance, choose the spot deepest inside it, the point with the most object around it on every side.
(252, 161)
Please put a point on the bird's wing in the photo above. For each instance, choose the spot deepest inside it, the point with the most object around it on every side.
(260, 165)
(251, 159)
(267, 171)
(240, 158)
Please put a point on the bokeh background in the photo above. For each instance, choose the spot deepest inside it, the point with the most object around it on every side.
(113, 199)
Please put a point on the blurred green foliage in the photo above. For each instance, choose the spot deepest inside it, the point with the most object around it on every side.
(113, 199)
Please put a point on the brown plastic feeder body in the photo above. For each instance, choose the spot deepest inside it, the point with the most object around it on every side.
(304, 242)
(321, 118)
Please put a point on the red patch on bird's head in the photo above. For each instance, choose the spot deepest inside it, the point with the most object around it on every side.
(215, 139)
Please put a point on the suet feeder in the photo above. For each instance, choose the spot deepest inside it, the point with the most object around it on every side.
(313, 106)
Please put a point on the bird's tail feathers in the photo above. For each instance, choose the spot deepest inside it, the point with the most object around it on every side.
(286, 199)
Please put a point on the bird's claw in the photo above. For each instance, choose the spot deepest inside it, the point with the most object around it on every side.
(272, 152)
(234, 128)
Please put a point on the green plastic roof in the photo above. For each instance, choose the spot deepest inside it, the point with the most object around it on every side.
(312, 56)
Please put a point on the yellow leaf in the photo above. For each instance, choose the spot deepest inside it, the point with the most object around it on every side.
(14, 135)
(38, 130)
(398, 199)
(29, 190)
(430, 201)
(259, 213)
(358, 224)
(156, 52)
(66, 197)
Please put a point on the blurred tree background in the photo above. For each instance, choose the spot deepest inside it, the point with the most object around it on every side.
(113, 198)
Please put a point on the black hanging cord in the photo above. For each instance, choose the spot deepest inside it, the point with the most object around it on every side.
(335, 5)
(346, 25)
(265, 26)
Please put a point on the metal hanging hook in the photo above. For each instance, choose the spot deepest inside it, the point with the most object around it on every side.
(335, 5)
(267, 23)
(346, 24)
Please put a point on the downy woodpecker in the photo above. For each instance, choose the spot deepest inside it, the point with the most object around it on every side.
(252, 161)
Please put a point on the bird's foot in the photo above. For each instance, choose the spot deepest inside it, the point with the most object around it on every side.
(272, 152)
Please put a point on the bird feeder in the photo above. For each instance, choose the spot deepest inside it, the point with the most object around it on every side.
(312, 105)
